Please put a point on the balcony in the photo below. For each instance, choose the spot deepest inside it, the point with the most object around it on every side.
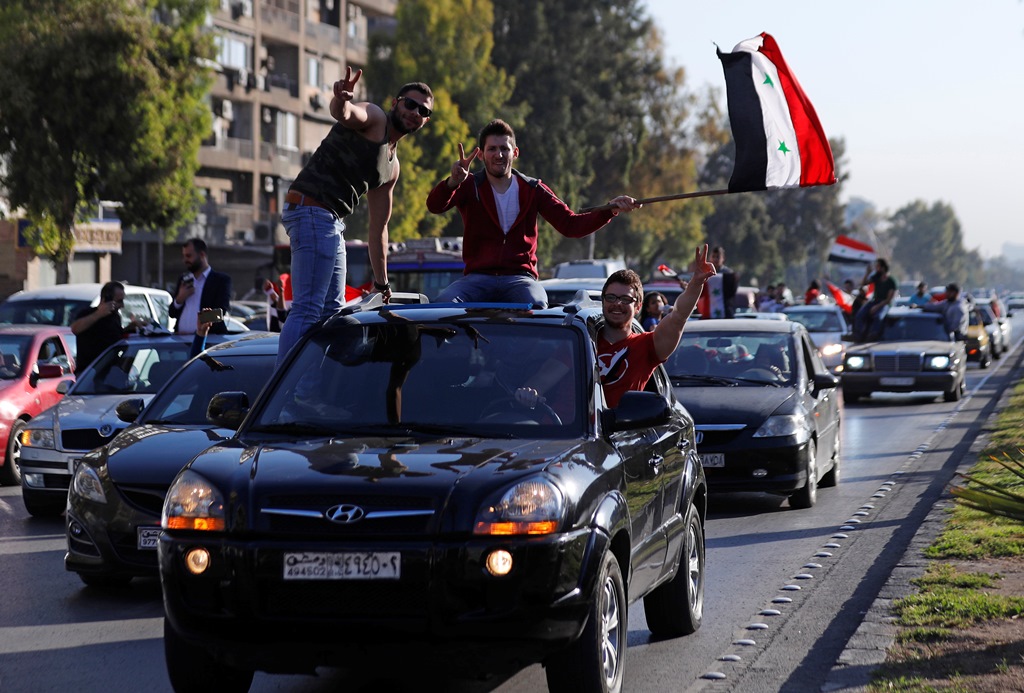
(226, 153)
(281, 19)
(377, 7)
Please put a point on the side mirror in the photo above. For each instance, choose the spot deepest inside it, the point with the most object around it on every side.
(128, 410)
(637, 410)
(825, 381)
(227, 409)
(63, 386)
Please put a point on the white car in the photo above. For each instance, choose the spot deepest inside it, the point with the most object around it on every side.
(58, 305)
(826, 325)
(562, 291)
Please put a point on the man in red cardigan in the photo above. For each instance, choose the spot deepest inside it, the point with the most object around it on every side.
(499, 208)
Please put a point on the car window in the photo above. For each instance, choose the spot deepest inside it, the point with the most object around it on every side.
(131, 367)
(40, 311)
(435, 376)
(52, 353)
(756, 357)
(817, 321)
(913, 329)
(135, 305)
(13, 354)
(187, 395)
(161, 307)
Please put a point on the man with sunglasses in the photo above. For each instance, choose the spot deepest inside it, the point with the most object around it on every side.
(358, 157)
(499, 207)
(626, 358)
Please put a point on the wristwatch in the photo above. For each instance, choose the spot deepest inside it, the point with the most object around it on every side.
(383, 288)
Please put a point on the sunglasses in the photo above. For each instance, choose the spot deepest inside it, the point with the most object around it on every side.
(614, 298)
(413, 105)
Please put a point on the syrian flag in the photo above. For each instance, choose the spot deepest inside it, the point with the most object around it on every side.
(846, 249)
(842, 299)
(779, 141)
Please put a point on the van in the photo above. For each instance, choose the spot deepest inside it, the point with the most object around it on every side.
(58, 305)
(583, 269)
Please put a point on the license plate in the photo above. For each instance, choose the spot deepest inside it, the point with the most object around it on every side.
(147, 537)
(364, 565)
(713, 459)
(896, 382)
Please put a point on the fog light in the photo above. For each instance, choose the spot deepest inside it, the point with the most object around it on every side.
(76, 530)
(33, 480)
(197, 561)
(499, 562)
(759, 473)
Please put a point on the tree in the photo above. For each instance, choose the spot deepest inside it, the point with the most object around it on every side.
(101, 99)
(447, 44)
(928, 241)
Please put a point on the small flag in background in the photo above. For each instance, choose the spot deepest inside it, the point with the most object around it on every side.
(779, 141)
(842, 299)
(846, 249)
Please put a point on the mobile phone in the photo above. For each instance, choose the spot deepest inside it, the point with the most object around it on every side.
(211, 315)
(188, 280)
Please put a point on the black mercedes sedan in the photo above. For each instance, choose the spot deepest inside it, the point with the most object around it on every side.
(117, 491)
(764, 405)
(386, 493)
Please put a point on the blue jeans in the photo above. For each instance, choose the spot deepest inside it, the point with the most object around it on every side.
(485, 288)
(318, 271)
(867, 327)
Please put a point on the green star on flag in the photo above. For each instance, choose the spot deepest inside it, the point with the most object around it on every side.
(783, 148)
(768, 80)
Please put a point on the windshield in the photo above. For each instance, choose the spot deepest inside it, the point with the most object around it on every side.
(42, 311)
(13, 352)
(749, 357)
(132, 367)
(906, 328)
(817, 321)
(458, 378)
(189, 392)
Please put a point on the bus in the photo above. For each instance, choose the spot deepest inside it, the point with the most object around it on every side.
(419, 265)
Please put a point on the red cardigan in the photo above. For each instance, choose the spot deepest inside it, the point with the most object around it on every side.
(488, 250)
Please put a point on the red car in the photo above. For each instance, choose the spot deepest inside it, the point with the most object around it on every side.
(34, 359)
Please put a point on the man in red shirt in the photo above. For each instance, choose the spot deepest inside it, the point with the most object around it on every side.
(626, 358)
(499, 208)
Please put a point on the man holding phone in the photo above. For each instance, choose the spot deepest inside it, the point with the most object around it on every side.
(199, 288)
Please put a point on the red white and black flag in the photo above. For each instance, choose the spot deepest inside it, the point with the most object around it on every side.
(779, 141)
(846, 249)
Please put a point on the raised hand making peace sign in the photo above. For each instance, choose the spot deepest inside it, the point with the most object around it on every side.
(460, 169)
(344, 89)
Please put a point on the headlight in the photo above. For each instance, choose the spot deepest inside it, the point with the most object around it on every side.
(856, 363)
(776, 426)
(193, 503)
(529, 507)
(937, 363)
(86, 483)
(831, 349)
(38, 438)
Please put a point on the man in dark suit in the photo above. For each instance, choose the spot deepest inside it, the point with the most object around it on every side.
(200, 287)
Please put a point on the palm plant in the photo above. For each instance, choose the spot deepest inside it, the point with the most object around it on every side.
(991, 498)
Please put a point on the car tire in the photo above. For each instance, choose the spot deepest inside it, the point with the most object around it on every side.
(677, 607)
(594, 662)
(850, 397)
(42, 504)
(955, 394)
(807, 496)
(831, 478)
(10, 473)
(192, 668)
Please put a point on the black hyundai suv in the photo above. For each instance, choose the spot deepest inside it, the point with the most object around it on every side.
(387, 492)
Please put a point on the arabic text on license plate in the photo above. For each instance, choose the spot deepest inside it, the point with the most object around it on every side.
(896, 382)
(362, 565)
(713, 459)
(147, 537)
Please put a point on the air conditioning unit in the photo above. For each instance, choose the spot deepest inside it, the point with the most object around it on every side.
(225, 5)
(268, 115)
(268, 184)
(243, 76)
(246, 8)
(316, 101)
(227, 110)
(329, 5)
(243, 235)
(354, 12)
(261, 234)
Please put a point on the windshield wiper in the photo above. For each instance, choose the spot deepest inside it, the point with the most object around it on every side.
(296, 427)
(717, 379)
(404, 428)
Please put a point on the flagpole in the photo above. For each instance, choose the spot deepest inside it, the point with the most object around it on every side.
(663, 198)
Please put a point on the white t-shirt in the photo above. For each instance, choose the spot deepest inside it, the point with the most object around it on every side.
(508, 204)
(188, 322)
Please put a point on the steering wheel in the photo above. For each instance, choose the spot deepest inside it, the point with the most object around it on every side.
(504, 405)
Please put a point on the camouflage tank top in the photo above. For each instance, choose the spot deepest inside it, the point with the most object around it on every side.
(344, 167)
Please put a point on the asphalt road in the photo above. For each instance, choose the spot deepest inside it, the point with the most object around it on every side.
(899, 452)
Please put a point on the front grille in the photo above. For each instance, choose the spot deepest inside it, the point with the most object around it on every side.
(898, 363)
(717, 438)
(414, 525)
(84, 439)
(126, 546)
(147, 500)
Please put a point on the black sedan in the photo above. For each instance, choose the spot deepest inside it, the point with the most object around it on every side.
(764, 406)
(117, 492)
(914, 353)
(387, 494)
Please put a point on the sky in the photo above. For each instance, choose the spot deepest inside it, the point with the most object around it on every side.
(927, 94)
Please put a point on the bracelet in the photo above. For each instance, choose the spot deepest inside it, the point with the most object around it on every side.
(381, 287)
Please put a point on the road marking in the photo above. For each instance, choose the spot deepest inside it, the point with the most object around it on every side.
(65, 636)
(10, 546)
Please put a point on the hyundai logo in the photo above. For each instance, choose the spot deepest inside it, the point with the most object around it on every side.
(345, 514)
(700, 437)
